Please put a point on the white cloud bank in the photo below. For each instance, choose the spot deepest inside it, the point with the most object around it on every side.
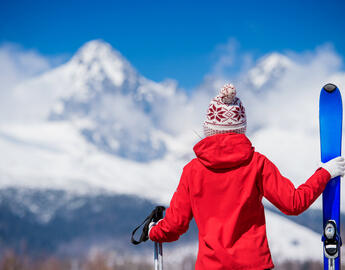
(18, 65)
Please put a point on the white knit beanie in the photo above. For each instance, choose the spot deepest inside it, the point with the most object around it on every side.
(225, 113)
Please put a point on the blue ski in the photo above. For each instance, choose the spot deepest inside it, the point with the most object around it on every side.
(331, 117)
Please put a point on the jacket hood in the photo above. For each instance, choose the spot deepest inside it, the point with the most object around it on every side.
(224, 151)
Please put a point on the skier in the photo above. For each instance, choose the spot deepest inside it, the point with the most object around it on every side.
(222, 188)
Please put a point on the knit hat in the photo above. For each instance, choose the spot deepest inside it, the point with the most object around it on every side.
(225, 113)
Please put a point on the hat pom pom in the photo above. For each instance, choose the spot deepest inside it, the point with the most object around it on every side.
(228, 93)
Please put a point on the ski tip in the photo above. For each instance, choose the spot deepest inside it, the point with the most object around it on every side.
(330, 87)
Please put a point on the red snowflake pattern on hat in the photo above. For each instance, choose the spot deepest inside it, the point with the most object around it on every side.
(239, 112)
(216, 113)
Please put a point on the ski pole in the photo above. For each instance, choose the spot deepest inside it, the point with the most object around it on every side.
(158, 256)
(155, 216)
(158, 247)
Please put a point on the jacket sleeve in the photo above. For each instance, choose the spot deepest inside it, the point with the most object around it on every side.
(281, 192)
(177, 216)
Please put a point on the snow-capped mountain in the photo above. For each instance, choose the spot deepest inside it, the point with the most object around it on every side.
(99, 124)
(110, 96)
(113, 106)
(267, 70)
(94, 126)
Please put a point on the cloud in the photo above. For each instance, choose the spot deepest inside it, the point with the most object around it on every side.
(18, 65)
(282, 107)
(230, 60)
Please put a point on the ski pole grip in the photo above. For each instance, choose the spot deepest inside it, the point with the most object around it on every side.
(155, 215)
(158, 213)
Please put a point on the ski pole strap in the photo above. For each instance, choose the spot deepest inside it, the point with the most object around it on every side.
(155, 215)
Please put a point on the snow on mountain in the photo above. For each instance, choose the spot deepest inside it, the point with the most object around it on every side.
(100, 103)
(57, 155)
(289, 241)
(268, 69)
(98, 69)
(115, 108)
(95, 124)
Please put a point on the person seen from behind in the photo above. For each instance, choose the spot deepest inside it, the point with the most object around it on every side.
(222, 189)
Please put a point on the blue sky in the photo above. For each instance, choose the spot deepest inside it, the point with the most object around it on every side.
(174, 39)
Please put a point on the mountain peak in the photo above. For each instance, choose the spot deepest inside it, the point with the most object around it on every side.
(273, 60)
(96, 49)
(98, 61)
(269, 67)
(103, 89)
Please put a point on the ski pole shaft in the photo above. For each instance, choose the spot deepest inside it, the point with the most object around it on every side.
(158, 256)
(155, 255)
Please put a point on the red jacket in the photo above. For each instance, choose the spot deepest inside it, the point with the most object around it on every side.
(222, 189)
